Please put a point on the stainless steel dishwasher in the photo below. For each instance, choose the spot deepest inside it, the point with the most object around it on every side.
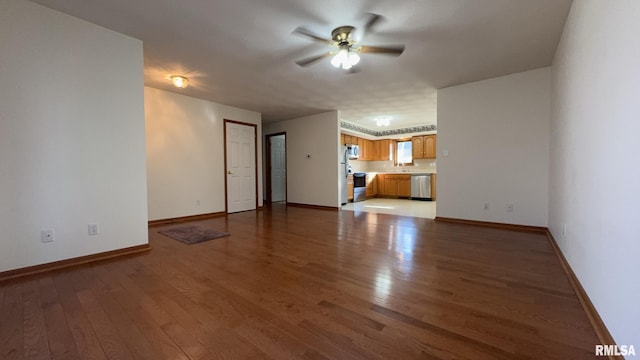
(421, 187)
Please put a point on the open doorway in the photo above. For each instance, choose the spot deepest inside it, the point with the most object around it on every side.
(276, 168)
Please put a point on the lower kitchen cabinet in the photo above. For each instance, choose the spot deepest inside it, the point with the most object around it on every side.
(372, 185)
(404, 186)
(391, 185)
(394, 185)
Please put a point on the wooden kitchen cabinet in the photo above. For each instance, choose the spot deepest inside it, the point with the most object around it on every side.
(367, 149)
(404, 186)
(348, 139)
(382, 149)
(372, 185)
(377, 150)
(394, 185)
(423, 147)
(372, 150)
(363, 150)
(391, 185)
(429, 150)
(380, 180)
(417, 147)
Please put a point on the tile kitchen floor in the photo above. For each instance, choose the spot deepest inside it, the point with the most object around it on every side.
(402, 207)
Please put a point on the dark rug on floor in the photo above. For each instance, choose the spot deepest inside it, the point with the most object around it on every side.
(193, 234)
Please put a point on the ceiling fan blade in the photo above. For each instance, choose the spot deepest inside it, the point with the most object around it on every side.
(389, 50)
(309, 35)
(374, 19)
(309, 61)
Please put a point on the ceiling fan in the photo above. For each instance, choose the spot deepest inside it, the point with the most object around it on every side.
(346, 49)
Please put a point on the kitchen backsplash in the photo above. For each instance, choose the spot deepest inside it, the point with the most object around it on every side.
(420, 165)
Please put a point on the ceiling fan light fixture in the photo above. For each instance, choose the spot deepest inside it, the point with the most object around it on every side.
(345, 58)
(179, 81)
(340, 58)
(354, 58)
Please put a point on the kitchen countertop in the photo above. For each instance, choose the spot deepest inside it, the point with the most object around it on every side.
(402, 173)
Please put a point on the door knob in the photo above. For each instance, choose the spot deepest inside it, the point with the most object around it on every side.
(229, 172)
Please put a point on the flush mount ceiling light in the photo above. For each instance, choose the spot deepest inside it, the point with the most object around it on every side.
(383, 121)
(179, 81)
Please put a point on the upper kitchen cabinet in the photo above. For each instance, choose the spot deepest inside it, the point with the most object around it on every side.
(368, 149)
(423, 147)
(348, 139)
(382, 149)
(430, 146)
(376, 150)
(364, 149)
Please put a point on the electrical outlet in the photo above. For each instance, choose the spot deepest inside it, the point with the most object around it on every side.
(510, 207)
(486, 206)
(47, 235)
(92, 229)
(198, 202)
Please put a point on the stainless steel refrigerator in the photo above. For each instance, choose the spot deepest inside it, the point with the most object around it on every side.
(344, 173)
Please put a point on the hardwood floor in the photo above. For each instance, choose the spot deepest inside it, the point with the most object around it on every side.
(312, 284)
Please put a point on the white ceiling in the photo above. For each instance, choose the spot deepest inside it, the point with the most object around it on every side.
(242, 52)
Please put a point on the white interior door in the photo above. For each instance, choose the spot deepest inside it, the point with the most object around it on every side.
(241, 167)
(278, 168)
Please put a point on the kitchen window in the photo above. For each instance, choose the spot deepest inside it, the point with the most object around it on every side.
(404, 153)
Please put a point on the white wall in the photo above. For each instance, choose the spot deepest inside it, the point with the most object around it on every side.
(312, 181)
(71, 137)
(595, 145)
(185, 153)
(497, 134)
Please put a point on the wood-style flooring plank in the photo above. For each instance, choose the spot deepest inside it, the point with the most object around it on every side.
(35, 333)
(11, 324)
(82, 333)
(107, 333)
(61, 342)
(295, 283)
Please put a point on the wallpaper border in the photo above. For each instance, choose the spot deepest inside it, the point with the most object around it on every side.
(414, 129)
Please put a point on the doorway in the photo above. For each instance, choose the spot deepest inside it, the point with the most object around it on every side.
(276, 168)
(241, 187)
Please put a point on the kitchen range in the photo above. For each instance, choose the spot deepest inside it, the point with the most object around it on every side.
(359, 186)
